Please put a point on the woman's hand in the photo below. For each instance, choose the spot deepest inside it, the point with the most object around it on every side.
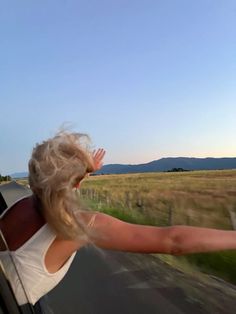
(97, 157)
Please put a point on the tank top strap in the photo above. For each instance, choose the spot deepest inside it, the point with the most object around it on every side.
(46, 236)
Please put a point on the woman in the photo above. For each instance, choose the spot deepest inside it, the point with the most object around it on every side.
(54, 224)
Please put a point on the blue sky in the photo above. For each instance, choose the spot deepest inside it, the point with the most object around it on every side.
(145, 79)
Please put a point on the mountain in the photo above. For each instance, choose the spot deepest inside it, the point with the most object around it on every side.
(19, 175)
(163, 164)
(166, 164)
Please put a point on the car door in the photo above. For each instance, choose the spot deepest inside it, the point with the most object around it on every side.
(8, 303)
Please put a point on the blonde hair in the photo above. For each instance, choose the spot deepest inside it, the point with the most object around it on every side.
(55, 167)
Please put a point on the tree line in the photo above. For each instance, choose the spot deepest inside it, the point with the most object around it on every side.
(5, 178)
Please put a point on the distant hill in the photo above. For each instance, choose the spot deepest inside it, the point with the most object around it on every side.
(19, 175)
(166, 164)
(163, 164)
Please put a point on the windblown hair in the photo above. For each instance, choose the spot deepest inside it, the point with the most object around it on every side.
(55, 167)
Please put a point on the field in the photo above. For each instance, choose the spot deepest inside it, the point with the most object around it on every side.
(203, 198)
(198, 198)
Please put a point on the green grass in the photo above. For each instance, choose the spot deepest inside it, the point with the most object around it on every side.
(128, 216)
(199, 198)
(221, 264)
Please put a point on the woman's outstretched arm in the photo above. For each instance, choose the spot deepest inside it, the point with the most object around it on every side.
(110, 233)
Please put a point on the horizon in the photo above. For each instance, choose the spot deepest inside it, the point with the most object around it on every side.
(26, 171)
(134, 164)
(145, 79)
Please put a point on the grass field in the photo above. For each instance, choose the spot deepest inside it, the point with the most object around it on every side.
(198, 198)
(202, 198)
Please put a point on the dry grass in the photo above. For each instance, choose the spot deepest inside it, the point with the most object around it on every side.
(193, 198)
(198, 198)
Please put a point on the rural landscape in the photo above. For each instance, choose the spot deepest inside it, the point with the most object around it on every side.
(196, 198)
(125, 108)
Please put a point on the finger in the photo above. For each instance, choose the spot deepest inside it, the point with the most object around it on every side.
(99, 154)
(100, 157)
(96, 151)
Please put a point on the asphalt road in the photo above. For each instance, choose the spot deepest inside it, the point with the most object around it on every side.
(105, 282)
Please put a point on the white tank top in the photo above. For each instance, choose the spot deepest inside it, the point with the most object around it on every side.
(29, 261)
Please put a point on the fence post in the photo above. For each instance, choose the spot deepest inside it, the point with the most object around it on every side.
(128, 199)
(232, 216)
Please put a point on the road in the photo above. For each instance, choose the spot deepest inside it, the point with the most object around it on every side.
(106, 282)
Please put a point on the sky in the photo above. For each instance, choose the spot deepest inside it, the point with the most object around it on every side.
(145, 79)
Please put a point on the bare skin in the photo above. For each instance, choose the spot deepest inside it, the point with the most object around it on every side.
(97, 157)
(110, 233)
(60, 250)
(114, 234)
